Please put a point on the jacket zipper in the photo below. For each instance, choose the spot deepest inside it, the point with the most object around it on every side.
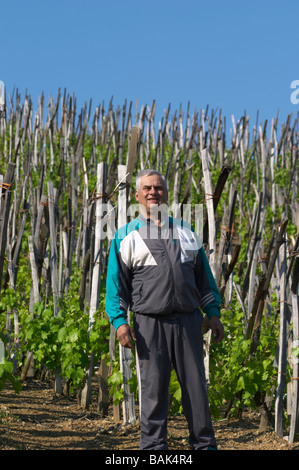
(171, 270)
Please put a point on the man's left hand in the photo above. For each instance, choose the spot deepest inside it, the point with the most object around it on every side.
(217, 329)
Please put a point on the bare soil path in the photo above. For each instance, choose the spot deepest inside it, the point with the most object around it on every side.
(37, 419)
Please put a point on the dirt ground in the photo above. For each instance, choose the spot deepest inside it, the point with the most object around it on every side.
(37, 419)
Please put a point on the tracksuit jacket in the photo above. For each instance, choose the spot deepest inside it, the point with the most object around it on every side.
(158, 271)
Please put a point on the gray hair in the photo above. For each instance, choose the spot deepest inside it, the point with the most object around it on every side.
(148, 172)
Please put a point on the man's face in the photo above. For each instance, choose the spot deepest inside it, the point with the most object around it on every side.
(152, 191)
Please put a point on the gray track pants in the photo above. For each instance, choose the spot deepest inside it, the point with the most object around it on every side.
(161, 341)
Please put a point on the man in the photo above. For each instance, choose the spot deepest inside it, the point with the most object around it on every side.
(158, 269)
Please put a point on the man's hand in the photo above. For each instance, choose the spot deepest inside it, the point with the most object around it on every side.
(125, 335)
(217, 329)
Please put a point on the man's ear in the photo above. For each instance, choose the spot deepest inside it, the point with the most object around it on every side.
(136, 196)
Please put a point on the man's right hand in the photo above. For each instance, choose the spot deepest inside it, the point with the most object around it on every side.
(125, 335)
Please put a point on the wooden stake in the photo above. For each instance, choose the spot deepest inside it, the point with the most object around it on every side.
(294, 423)
(125, 353)
(282, 359)
(96, 272)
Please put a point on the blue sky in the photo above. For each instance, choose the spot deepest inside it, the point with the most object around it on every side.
(236, 55)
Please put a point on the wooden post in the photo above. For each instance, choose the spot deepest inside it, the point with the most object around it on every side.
(294, 424)
(253, 327)
(125, 173)
(2, 348)
(212, 244)
(210, 208)
(282, 359)
(225, 242)
(36, 296)
(125, 353)
(96, 272)
(13, 256)
(224, 173)
(2, 96)
(85, 211)
(4, 215)
(116, 409)
(1, 185)
(253, 247)
(133, 152)
(2, 110)
(54, 267)
(53, 245)
(34, 269)
(103, 400)
(37, 247)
